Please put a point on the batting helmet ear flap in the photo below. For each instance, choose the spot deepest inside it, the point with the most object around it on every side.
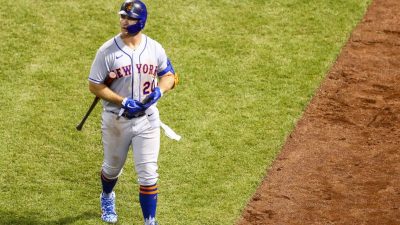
(135, 9)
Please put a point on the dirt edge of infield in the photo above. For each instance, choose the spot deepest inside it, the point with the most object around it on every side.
(341, 164)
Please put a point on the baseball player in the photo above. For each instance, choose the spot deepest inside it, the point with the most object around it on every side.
(130, 116)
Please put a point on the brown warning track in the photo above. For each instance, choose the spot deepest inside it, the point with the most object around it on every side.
(341, 164)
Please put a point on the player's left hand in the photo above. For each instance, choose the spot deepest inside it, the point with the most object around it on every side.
(152, 98)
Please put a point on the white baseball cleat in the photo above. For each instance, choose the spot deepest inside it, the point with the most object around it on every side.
(150, 221)
(108, 213)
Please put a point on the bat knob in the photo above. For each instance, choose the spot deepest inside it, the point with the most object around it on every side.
(112, 75)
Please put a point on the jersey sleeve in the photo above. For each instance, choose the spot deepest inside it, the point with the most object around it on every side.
(164, 64)
(99, 69)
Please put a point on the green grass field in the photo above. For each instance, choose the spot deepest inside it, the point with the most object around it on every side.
(247, 69)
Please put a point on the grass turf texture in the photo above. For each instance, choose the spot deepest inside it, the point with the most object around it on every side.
(248, 69)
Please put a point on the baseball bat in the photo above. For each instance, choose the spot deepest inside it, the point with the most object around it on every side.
(109, 79)
(94, 103)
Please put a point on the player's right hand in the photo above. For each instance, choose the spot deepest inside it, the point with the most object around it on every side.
(132, 106)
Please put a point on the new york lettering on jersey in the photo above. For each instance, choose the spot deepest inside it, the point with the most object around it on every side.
(147, 73)
(145, 69)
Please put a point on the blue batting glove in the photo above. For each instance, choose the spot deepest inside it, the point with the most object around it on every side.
(152, 98)
(132, 106)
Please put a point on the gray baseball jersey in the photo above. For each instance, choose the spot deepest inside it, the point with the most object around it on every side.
(136, 70)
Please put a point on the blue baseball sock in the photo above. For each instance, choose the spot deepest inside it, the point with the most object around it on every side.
(107, 184)
(148, 201)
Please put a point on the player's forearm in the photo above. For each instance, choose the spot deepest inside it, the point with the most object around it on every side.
(166, 82)
(103, 92)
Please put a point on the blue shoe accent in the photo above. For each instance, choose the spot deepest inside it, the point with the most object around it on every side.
(108, 213)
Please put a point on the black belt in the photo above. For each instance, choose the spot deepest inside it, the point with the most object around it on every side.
(128, 116)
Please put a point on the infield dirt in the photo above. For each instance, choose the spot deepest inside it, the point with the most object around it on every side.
(341, 164)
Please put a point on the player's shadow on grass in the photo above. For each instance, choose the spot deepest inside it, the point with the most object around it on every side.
(33, 218)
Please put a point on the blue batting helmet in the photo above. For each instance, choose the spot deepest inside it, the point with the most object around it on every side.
(137, 10)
